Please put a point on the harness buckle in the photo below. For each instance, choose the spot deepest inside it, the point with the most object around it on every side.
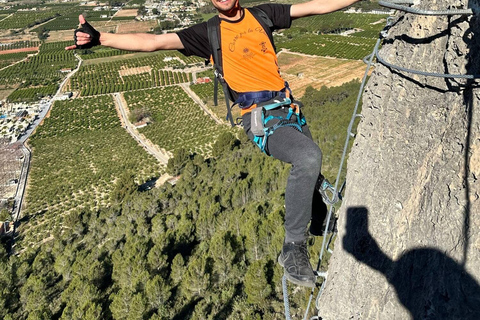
(218, 75)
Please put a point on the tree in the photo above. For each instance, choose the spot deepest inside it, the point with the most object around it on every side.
(128, 305)
(196, 280)
(124, 188)
(80, 298)
(141, 11)
(115, 3)
(256, 286)
(226, 141)
(178, 269)
(180, 158)
(223, 255)
(157, 292)
(33, 297)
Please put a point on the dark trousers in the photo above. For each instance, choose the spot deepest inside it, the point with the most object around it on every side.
(297, 148)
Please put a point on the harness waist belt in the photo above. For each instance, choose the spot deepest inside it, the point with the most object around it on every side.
(247, 99)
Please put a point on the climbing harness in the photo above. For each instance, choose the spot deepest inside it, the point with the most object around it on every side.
(260, 129)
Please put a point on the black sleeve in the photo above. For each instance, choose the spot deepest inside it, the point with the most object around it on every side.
(195, 41)
(279, 14)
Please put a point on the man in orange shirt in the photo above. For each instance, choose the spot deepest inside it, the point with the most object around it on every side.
(250, 68)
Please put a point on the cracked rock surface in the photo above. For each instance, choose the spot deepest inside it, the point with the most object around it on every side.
(409, 226)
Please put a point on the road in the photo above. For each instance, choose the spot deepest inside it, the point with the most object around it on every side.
(159, 155)
(22, 183)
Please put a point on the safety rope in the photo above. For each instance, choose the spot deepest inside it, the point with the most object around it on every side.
(285, 298)
(394, 4)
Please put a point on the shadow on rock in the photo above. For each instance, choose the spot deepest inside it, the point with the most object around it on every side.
(428, 283)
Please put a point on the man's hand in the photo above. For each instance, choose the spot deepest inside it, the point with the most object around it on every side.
(85, 37)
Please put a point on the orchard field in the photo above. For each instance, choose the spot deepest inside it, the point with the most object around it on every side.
(71, 170)
(177, 123)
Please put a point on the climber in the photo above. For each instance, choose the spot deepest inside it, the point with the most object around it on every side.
(250, 68)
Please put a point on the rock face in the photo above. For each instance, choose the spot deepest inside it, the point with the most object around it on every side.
(409, 227)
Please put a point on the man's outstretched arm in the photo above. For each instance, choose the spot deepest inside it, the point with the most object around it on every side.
(318, 7)
(129, 41)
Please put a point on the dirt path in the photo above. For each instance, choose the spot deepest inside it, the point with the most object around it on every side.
(19, 50)
(199, 101)
(151, 148)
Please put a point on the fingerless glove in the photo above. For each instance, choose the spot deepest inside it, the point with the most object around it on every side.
(94, 34)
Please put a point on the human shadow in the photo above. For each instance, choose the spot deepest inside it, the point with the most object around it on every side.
(428, 283)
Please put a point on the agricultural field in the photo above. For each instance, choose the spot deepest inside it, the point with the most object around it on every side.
(126, 13)
(52, 17)
(41, 70)
(10, 58)
(338, 35)
(336, 46)
(72, 169)
(136, 26)
(23, 20)
(18, 45)
(157, 60)
(176, 121)
(141, 72)
(302, 71)
(32, 94)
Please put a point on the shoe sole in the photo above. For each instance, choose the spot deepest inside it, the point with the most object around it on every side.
(293, 280)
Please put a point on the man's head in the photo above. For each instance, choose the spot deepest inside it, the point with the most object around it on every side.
(227, 8)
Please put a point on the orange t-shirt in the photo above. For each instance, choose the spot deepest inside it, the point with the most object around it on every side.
(248, 58)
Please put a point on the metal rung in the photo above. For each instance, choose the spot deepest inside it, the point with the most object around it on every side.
(322, 274)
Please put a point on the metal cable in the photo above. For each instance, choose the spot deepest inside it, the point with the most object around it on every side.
(424, 73)
(451, 12)
(402, 1)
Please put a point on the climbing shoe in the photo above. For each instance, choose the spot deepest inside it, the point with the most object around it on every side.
(295, 260)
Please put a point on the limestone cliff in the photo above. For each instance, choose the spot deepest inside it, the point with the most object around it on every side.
(409, 240)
